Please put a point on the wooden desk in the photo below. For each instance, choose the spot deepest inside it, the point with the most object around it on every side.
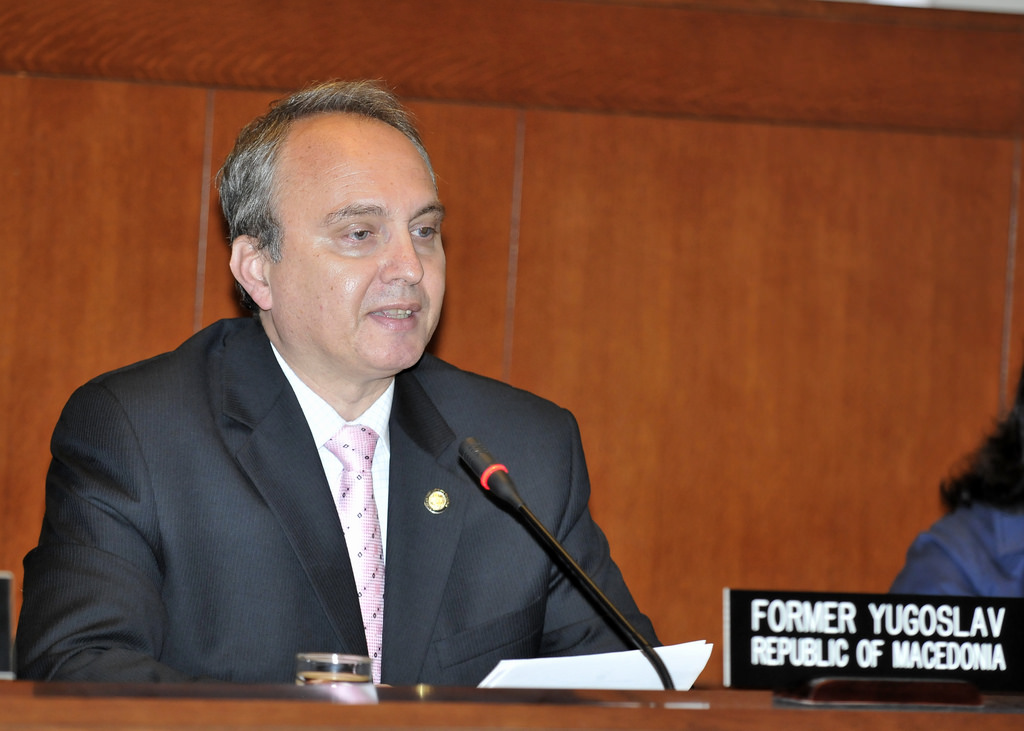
(30, 705)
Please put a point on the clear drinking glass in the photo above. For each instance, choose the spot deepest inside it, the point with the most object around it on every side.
(349, 676)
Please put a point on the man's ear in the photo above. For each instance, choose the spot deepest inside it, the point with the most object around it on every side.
(249, 266)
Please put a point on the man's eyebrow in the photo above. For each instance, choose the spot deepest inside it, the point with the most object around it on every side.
(357, 210)
(354, 211)
(435, 209)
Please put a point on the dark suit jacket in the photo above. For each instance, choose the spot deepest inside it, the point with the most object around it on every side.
(190, 531)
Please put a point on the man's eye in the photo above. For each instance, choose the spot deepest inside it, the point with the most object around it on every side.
(425, 232)
(360, 235)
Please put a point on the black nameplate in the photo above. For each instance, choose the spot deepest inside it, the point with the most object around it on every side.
(6, 608)
(777, 640)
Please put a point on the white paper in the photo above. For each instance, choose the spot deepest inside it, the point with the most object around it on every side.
(628, 670)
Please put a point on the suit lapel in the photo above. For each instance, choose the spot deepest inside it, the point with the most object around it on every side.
(421, 544)
(270, 438)
(276, 450)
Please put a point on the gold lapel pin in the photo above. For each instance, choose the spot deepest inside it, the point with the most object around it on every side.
(436, 501)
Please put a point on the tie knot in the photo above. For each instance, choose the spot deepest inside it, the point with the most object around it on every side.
(354, 445)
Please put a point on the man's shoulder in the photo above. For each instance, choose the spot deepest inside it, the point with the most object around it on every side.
(491, 410)
(195, 355)
(441, 378)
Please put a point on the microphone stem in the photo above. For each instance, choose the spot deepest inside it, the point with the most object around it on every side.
(597, 596)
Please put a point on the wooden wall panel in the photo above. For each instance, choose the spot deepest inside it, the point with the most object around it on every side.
(772, 239)
(231, 110)
(806, 61)
(1014, 323)
(473, 150)
(99, 198)
(800, 329)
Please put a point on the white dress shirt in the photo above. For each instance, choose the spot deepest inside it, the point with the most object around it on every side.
(324, 422)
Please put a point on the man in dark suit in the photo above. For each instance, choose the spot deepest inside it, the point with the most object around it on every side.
(192, 522)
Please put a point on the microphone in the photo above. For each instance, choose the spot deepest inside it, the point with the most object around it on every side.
(495, 479)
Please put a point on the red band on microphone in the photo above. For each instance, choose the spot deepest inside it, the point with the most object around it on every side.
(486, 474)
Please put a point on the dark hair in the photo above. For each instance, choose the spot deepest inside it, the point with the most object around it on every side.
(995, 472)
(246, 180)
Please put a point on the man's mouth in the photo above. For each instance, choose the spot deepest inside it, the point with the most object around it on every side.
(394, 314)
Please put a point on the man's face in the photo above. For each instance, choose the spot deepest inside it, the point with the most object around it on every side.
(357, 293)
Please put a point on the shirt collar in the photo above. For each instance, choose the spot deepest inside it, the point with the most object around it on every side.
(324, 422)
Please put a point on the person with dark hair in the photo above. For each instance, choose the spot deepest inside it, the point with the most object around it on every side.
(290, 482)
(977, 548)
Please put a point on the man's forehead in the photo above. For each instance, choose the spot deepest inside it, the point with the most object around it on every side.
(343, 144)
(343, 166)
(344, 129)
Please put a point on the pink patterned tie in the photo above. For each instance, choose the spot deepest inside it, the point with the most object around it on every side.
(354, 445)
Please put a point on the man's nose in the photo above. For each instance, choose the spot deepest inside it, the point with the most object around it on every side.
(401, 261)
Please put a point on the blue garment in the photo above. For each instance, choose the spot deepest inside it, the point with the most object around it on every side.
(973, 551)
